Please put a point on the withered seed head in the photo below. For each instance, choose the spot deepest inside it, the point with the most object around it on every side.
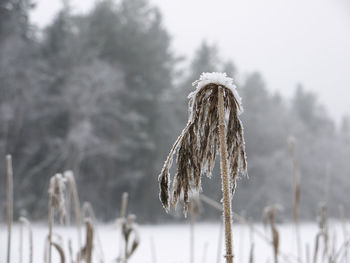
(198, 144)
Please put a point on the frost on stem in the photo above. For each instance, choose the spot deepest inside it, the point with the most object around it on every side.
(198, 144)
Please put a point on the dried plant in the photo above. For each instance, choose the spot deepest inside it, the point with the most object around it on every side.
(86, 251)
(88, 213)
(251, 253)
(129, 232)
(121, 221)
(69, 177)
(60, 251)
(25, 221)
(9, 204)
(269, 217)
(56, 202)
(296, 182)
(130, 236)
(213, 125)
(323, 232)
(57, 244)
(345, 231)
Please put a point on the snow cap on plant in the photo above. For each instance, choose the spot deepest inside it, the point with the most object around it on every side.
(198, 143)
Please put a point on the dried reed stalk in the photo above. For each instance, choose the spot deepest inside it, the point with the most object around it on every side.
(345, 232)
(269, 216)
(86, 251)
(323, 233)
(122, 221)
(205, 133)
(56, 244)
(251, 253)
(88, 213)
(296, 183)
(131, 237)
(25, 221)
(9, 204)
(56, 201)
(69, 177)
(60, 251)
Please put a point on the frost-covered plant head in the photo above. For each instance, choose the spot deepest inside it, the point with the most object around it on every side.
(57, 194)
(198, 143)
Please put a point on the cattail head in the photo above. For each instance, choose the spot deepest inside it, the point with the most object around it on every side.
(198, 143)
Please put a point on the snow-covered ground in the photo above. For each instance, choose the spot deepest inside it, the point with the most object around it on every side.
(171, 242)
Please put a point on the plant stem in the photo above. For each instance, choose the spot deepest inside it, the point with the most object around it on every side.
(9, 204)
(225, 178)
(74, 191)
(51, 222)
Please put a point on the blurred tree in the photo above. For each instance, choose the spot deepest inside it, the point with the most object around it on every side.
(308, 110)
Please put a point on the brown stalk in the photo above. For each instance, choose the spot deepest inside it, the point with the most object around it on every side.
(131, 237)
(56, 201)
(269, 216)
(296, 183)
(60, 251)
(207, 132)
(86, 252)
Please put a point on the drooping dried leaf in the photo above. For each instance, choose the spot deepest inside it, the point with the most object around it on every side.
(198, 145)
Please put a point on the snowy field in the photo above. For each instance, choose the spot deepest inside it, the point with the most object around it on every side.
(171, 242)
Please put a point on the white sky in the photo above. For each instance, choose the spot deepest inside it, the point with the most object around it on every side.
(288, 41)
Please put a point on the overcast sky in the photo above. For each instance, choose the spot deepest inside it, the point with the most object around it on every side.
(289, 41)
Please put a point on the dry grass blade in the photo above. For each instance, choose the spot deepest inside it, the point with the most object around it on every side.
(323, 233)
(9, 204)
